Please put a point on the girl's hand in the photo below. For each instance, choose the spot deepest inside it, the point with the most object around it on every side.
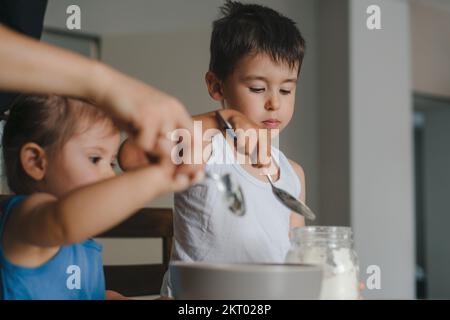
(173, 179)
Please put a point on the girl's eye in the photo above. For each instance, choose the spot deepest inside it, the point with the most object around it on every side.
(95, 160)
(257, 90)
(285, 92)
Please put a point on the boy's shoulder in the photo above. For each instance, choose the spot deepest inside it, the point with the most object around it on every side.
(298, 170)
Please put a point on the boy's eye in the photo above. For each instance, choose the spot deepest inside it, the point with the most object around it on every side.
(285, 92)
(95, 159)
(257, 90)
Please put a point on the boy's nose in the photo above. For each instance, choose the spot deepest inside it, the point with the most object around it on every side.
(273, 103)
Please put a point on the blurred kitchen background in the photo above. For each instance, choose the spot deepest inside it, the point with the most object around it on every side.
(371, 127)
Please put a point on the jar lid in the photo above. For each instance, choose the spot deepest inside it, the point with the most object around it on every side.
(324, 234)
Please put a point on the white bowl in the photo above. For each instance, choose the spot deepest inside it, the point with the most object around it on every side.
(213, 281)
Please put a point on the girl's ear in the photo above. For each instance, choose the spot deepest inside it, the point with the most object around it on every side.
(214, 86)
(34, 160)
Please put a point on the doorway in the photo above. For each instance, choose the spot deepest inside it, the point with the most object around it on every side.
(432, 182)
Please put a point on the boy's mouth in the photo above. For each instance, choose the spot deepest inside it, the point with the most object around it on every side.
(271, 123)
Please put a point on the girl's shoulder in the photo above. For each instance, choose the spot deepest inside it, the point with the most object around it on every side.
(6, 205)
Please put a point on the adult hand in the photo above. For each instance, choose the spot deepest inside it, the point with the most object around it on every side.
(177, 177)
(145, 113)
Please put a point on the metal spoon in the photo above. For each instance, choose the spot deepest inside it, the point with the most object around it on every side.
(291, 202)
(283, 196)
(227, 185)
(231, 192)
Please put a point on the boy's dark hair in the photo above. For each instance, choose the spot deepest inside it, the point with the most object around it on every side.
(49, 121)
(251, 29)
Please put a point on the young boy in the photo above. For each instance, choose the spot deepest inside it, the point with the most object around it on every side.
(256, 55)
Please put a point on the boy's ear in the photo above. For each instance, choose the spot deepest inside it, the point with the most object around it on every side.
(214, 86)
(34, 160)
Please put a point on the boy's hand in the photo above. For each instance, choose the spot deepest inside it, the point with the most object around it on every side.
(252, 140)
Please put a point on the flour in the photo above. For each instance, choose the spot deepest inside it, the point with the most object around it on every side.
(340, 277)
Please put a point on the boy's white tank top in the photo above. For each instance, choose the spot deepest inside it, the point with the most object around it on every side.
(204, 229)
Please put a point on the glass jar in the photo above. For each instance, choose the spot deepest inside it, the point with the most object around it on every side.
(332, 248)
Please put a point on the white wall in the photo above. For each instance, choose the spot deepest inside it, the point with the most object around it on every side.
(382, 211)
(365, 129)
(117, 17)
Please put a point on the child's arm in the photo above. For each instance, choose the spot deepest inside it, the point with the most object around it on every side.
(44, 222)
(295, 219)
